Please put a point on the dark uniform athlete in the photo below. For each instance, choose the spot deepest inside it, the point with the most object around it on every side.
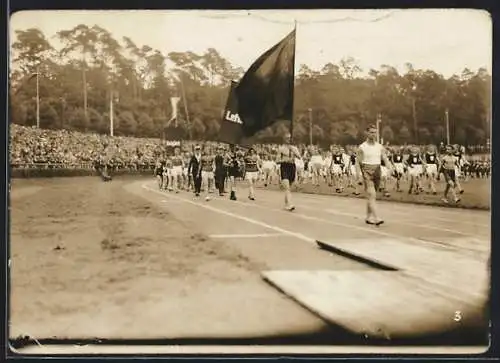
(431, 168)
(336, 170)
(158, 172)
(397, 161)
(194, 170)
(252, 170)
(233, 170)
(220, 170)
(415, 167)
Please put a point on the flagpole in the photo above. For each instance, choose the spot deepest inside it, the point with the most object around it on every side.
(37, 98)
(111, 114)
(293, 76)
(185, 106)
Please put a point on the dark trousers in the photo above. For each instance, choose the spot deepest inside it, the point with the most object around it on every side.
(197, 183)
(220, 179)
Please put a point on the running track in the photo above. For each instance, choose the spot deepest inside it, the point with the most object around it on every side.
(264, 231)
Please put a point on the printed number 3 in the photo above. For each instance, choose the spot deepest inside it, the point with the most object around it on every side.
(458, 316)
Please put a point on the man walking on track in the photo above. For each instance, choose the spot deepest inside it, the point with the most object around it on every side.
(252, 170)
(449, 165)
(194, 169)
(220, 171)
(370, 155)
(234, 170)
(286, 156)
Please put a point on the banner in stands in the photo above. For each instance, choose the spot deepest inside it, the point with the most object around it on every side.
(170, 146)
(174, 133)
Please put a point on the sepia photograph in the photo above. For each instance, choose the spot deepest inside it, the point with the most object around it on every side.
(249, 181)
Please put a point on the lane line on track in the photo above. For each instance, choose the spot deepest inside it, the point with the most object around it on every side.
(402, 206)
(373, 230)
(237, 216)
(258, 235)
(394, 209)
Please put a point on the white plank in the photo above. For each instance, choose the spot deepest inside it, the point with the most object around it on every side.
(379, 304)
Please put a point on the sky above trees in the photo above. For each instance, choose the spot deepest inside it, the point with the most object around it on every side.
(446, 41)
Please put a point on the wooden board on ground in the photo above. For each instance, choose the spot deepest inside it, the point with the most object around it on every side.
(462, 276)
(379, 304)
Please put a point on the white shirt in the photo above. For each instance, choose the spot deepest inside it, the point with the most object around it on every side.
(287, 153)
(372, 153)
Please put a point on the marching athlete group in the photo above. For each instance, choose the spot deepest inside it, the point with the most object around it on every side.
(371, 164)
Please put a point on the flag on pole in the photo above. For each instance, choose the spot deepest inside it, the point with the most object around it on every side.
(174, 101)
(265, 93)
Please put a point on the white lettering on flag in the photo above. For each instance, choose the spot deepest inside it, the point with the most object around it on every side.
(233, 117)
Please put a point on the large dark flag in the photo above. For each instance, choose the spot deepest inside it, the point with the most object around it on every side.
(265, 93)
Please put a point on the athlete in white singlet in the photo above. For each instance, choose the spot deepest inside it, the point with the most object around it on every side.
(177, 168)
(286, 156)
(167, 170)
(268, 169)
(315, 165)
(370, 155)
(207, 171)
(449, 165)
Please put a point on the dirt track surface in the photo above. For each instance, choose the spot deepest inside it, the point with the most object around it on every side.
(123, 260)
(90, 259)
(477, 193)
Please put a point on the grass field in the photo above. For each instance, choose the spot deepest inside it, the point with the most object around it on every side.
(476, 195)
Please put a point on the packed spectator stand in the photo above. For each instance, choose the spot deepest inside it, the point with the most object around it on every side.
(31, 147)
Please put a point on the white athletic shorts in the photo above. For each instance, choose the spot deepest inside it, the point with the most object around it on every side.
(416, 170)
(268, 166)
(431, 170)
(167, 172)
(176, 171)
(207, 174)
(399, 168)
(316, 163)
(354, 170)
(384, 173)
(252, 175)
(336, 169)
(299, 165)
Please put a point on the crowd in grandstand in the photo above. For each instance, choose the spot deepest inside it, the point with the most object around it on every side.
(34, 147)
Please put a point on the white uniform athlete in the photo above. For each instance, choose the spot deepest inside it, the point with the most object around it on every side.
(370, 155)
(316, 165)
(286, 156)
(176, 171)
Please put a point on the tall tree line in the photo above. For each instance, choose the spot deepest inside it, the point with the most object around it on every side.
(77, 81)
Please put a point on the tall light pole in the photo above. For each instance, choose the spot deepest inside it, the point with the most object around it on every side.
(414, 112)
(379, 120)
(310, 126)
(111, 113)
(447, 119)
(37, 98)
